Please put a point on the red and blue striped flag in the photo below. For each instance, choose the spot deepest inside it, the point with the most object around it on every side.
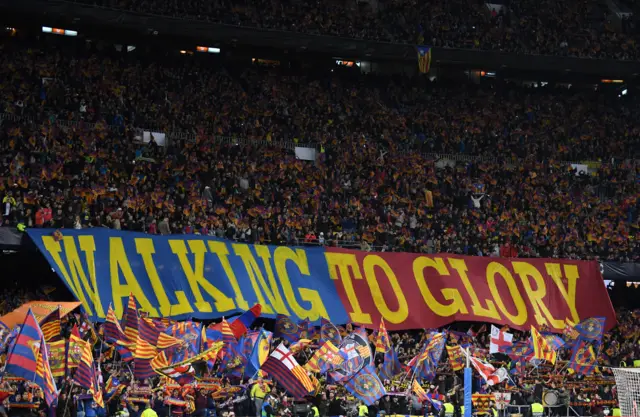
(23, 355)
(131, 319)
(112, 330)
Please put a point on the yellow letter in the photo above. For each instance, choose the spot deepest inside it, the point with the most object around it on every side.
(342, 261)
(272, 292)
(369, 265)
(220, 249)
(490, 312)
(78, 279)
(521, 308)
(280, 257)
(450, 294)
(119, 262)
(145, 248)
(542, 313)
(568, 293)
(195, 276)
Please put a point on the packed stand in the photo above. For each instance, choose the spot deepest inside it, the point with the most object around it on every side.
(579, 29)
(70, 160)
(223, 389)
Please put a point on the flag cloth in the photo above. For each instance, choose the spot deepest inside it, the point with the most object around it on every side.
(283, 367)
(329, 332)
(324, 359)
(58, 357)
(43, 372)
(113, 387)
(112, 329)
(456, 357)
(419, 391)
(96, 389)
(84, 374)
(555, 342)
(583, 358)
(391, 366)
(569, 333)
(131, 319)
(190, 334)
(50, 326)
(74, 351)
(86, 328)
(259, 353)
(591, 329)
(541, 350)
(240, 324)
(488, 372)
(300, 345)
(424, 58)
(162, 365)
(22, 357)
(150, 333)
(182, 374)
(227, 334)
(366, 386)
(500, 340)
(520, 351)
(382, 342)
(287, 329)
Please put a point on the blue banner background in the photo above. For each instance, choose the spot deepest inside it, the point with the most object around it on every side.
(190, 276)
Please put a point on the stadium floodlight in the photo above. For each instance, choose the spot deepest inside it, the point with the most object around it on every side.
(58, 31)
(208, 49)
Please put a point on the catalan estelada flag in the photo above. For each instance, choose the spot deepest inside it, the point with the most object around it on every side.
(419, 391)
(541, 349)
(382, 342)
(424, 58)
(50, 326)
(131, 319)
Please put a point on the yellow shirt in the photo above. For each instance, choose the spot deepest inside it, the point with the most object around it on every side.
(149, 413)
(258, 392)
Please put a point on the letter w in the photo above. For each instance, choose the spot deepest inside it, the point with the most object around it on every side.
(73, 271)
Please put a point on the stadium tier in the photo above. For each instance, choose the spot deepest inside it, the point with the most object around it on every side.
(205, 233)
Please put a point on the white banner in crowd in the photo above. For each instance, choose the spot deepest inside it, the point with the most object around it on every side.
(306, 154)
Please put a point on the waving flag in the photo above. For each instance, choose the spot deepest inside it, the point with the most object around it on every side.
(190, 333)
(456, 357)
(112, 330)
(382, 342)
(84, 374)
(43, 373)
(112, 388)
(151, 334)
(259, 354)
(50, 326)
(324, 359)
(541, 350)
(227, 334)
(591, 329)
(555, 342)
(242, 323)
(181, 373)
(22, 357)
(131, 319)
(500, 340)
(520, 351)
(419, 391)
(284, 368)
(488, 372)
(300, 345)
(583, 358)
(287, 329)
(366, 386)
(391, 365)
(58, 358)
(329, 333)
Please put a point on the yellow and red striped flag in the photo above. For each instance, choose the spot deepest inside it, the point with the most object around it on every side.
(324, 358)
(382, 342)
(50, 325)
(541, 349)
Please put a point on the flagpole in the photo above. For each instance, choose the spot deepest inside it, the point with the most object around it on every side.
(467, 384)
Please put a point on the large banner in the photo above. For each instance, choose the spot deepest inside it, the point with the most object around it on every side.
(191, 276)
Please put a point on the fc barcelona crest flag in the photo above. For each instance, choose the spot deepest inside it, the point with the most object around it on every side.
(424, 58)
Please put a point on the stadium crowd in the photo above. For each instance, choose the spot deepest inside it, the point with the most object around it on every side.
(584, 29)
(70, 158)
